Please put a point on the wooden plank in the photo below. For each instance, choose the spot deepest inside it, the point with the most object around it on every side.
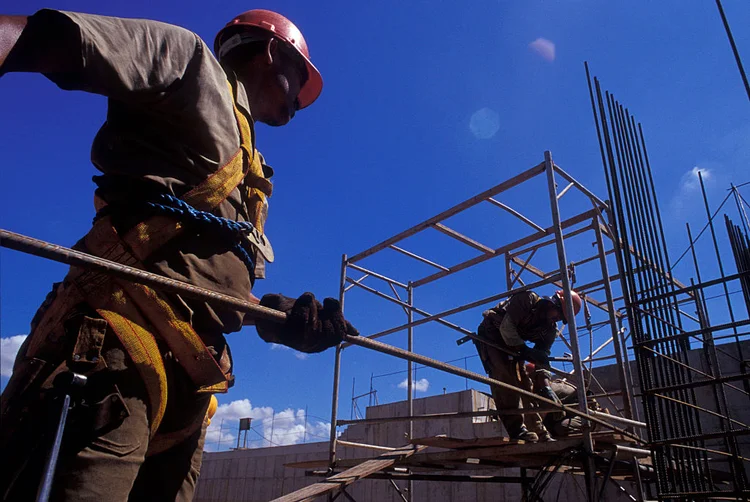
(498, 452)
(443, 441)
(365, 446)
(519, 448)
(350, 475)
(611, 438)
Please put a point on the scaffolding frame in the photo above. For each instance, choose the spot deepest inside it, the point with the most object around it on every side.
(592, 220)
(595, 220)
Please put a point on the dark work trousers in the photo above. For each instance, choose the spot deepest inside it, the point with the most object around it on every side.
(500, 366)
(107, 450)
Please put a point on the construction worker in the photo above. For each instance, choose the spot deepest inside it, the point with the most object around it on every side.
(183, 193)
(523, 317)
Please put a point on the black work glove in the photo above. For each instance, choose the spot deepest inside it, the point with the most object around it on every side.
(534, 355)
(310, 327)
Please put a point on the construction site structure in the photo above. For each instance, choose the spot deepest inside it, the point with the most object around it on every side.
(693, 445)
(695, 451)
(450, 439)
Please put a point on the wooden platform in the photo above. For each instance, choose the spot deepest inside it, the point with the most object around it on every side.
(443, 458)
(503, 452)
(444, 441)
(476, 453)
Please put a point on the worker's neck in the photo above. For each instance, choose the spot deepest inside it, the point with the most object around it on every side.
(253, 86)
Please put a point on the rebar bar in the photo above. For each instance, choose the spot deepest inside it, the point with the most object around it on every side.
(736, 52)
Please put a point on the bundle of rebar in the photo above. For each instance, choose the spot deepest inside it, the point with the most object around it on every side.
(660, 343)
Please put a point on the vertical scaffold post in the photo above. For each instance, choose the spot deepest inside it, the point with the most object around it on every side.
(337, 373)
(620, 351)
(588, 444)
(410, 384)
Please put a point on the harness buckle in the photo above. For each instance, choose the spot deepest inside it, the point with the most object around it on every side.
(261, 243)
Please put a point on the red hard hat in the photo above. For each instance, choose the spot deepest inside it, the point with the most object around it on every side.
(281, 28)
(577, 303)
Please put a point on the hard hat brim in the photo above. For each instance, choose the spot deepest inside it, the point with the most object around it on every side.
(313, 86)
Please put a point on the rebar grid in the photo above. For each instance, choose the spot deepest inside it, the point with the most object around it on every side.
(675, 411)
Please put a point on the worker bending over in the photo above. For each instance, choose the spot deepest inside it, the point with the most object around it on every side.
(523, 317)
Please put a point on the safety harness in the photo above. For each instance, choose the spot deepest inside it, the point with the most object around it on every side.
(139, 315)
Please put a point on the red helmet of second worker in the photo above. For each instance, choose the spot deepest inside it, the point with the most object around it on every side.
(559, 300)
(283, 29)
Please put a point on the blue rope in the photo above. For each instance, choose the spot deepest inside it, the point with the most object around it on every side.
(232, 230)
(178, 207)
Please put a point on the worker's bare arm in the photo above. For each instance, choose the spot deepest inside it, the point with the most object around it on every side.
(11, 28)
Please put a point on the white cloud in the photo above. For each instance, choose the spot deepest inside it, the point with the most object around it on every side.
(301, 356)
(484, 123)
(269, 428)
(690, 182)
(420, 385)
(8, 350)
(690, 187)
(544, 48)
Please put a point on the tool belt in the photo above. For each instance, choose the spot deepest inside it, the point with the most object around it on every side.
(137, 314)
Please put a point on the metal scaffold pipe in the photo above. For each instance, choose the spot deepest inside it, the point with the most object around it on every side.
(18, 242)
(72, 257)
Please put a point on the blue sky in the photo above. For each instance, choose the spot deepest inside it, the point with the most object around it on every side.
(391, 142)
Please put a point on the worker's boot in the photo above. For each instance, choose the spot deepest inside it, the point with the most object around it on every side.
(525, 435)
(545, 437)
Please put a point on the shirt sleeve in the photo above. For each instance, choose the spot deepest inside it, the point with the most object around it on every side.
(167, 93)
(130, 60)
(519, 306)
(548, 339)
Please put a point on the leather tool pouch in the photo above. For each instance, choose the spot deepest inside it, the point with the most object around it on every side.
(89, 336)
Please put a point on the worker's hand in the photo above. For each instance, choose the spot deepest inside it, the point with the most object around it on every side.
(535, 356)
(310, 326)
(547, 392)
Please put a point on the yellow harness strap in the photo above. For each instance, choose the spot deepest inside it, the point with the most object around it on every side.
(132, 331)
(148, 236)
